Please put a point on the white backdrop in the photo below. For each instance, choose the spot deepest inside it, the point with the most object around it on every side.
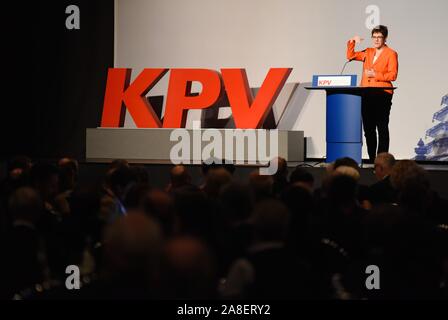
(309, 36)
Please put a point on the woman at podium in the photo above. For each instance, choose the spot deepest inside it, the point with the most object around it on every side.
(380, 68)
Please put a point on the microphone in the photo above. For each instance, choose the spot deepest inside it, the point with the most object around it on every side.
(343, 68)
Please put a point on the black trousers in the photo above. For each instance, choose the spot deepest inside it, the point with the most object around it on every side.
(375, 111)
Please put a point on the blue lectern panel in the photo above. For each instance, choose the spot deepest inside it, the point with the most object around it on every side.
(341, 150)
(344, 118)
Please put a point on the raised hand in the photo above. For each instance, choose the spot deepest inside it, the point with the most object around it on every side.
(357, 39)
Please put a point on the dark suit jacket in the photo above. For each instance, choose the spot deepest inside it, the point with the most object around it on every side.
(386, 65)
(382, 192)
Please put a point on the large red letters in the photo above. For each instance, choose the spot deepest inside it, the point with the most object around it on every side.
(248, 112)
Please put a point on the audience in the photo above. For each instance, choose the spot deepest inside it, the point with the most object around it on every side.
(280, 177)
(382, 191)
(302, 178)
(21, 252)
(266, 237)
(179, 177)
(267, 270)
(68, 176)
(261, 185)
(131, 253)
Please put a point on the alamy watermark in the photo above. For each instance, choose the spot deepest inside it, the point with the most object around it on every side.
(373, 280)
(373, 18)
(73, 279)
(229, 146)
(73, 21)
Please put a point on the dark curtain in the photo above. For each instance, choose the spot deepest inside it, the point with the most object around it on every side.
(55, 77)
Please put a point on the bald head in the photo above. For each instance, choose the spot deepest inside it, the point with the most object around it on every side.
(216, 179)
(179, 176)
(347, 171)
(132, 245)
(188, 269)
(68, 173)
(186, 253)
(63, 162)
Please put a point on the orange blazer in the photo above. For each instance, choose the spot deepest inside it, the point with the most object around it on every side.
(385, 66)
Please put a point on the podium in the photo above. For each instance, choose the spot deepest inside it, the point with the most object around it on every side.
(343, 117)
